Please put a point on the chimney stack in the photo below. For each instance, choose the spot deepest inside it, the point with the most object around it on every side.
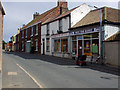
(63, 6)
(23, 25)
(36, 14)
(62, 3)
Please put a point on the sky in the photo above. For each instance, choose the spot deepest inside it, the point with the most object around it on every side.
(21, 12)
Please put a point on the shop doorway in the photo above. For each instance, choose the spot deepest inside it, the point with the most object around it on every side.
(79, 47)
(87, 49)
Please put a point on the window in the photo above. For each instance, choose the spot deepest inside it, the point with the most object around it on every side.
(36, 33)
(36, 47)
(22, 34)
(57, 45)
(26, 33)
(60, 25)
(48, 44)
(32, 31)
(48, 26)
(64, 45)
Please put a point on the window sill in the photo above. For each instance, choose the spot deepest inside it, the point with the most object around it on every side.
(31, 36)
(36, 34)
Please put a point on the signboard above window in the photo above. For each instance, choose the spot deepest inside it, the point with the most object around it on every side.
(86, 31)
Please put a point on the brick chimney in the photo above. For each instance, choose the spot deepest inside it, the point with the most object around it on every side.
(36, 14)
(63, 6)
(23, 25)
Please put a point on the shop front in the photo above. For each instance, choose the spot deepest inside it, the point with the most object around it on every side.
(60, 45)
(85, 42)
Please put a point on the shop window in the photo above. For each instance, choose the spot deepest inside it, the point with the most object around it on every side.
(74, 47)
(95, 35)
(95, 46)
(74, 38)
(87, 36)
(48, 44)
(87, 50)
(74, 44)
(57, 45)
(64, 45)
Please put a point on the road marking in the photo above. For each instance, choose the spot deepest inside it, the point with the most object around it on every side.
(12, 73)
(30, 76)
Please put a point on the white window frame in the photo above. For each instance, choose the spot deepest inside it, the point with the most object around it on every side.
(31, 31)
(23, 34)
(36, 45)
(26, 33)
(36, 33)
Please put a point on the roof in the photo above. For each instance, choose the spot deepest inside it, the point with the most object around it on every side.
(39, 18)
(43, 17)
(1, 8)
(60, 16)
(108, 14)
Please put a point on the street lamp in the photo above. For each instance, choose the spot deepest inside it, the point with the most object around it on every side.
(100, 36)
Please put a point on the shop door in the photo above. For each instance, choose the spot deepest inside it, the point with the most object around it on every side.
(79, 47)
(87, 50)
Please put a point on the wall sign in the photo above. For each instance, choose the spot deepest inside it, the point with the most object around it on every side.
(86, 31)
(60, 35)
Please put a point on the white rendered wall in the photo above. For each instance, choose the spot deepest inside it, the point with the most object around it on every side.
(110, 30)
(79, 13)
(65, 24)
(1, 38)
(54, 26)
(43, 36)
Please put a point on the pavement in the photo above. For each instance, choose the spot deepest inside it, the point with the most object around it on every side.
(52, 72)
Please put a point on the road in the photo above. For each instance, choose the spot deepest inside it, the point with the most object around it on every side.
(23, 71)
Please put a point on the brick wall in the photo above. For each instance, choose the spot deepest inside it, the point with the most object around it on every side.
(32, 38)
(1, 37)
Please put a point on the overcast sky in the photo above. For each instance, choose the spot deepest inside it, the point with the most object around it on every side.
(19, 13)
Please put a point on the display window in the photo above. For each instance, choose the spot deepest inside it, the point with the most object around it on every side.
(95, 46)
(74, 44)
(74, 47)
(64, 45)
(57, 45)
(87, 50)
